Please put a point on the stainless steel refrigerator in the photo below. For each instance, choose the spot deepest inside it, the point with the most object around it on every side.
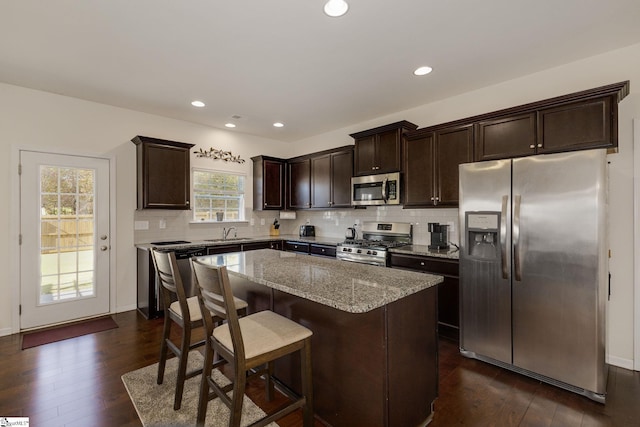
(534, 267)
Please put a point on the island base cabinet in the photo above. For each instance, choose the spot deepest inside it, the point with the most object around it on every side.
(369, 369)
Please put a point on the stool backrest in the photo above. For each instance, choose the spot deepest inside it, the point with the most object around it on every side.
(171, 286)
(216, 297)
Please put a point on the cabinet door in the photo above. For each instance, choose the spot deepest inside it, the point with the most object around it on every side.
(300, 184)
(506, 137)
(453, 147)
(296, 247)
(273, 184)
(576, 126)
(388, 152)
(163, 173)
(365, 155)
(321, 181)
(418, 171)
(341, 172)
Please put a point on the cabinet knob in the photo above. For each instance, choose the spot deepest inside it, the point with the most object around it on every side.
(532, 146)
(422, 263)
(539, 145)
(265, 204)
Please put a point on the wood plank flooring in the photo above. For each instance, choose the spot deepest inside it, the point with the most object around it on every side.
(77, 383)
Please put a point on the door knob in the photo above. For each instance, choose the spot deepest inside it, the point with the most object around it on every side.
(103, 248)
(103, 237)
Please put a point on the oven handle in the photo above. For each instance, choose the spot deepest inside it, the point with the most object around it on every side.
(362, 262)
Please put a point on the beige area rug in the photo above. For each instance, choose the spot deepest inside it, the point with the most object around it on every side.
(154, 403)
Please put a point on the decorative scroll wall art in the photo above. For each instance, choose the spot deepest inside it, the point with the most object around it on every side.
(215, 154)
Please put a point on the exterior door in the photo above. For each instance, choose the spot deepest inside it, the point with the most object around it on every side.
(64, 228)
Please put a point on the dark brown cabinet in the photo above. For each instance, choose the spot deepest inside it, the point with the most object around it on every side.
(296, 247)
(379, 150)
(331, 179)
(163, 173)
(320, 180)
(252, 246)
(299, 183)
(505, 137)
(578, 121)
(431, 159)
(575, 126)
(322, 250)
(268, 183)
(448, 290)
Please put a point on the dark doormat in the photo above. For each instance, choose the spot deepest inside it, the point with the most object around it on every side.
(46, 336)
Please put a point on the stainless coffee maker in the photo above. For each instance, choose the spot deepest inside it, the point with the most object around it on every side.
(439, 236)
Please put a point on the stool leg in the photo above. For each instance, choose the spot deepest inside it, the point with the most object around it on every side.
(182, 368)
(239, 385)
(166, 331)
(269, 387)
(203, 400)
(307, 386)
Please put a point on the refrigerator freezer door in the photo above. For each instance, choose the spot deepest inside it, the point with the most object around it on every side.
(485, 291)
(559, 290)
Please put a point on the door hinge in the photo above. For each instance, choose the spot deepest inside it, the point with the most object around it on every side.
(19, 239)
(20, 310)
(20, 169)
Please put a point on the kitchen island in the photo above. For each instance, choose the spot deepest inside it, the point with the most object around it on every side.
(374, 345)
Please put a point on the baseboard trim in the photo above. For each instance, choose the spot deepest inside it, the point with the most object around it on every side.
(126, 308)
(5, 331)
(620, 362)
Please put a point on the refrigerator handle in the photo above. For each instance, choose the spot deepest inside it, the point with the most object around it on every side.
(503, 238)
(516, 238)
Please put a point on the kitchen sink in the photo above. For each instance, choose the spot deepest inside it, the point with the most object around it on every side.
(228, 239)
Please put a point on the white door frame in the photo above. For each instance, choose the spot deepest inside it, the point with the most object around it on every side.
(636, 244)
(14, 230)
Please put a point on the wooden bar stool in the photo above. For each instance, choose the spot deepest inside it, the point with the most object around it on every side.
(183, 311)
(250, 344)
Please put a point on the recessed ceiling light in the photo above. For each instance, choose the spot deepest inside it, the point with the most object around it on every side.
(278, 124)
(230, 125)
(335, 8)
(422, 71)
(198, 104)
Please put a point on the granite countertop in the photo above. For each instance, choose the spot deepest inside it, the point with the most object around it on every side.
(331, 241)
(423, 250)
(346, 286)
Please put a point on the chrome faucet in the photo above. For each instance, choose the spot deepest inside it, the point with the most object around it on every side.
(225, 232)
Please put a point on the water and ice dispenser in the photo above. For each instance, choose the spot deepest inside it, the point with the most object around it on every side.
(482, 234)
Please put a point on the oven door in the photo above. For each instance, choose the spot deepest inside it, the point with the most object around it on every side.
(374, 190)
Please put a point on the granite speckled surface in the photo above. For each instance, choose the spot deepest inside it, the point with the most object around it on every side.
(332, 241)
(451, 253)
(346, 286)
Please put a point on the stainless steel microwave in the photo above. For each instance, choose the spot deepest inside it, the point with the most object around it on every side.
(371, 190)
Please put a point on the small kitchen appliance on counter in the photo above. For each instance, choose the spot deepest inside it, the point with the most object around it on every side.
(351, 233)
(377, 238)
(439, 236)
(307, 231)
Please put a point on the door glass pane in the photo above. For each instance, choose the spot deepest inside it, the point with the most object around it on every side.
(67, 234)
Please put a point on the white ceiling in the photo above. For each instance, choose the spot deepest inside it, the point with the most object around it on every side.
(284, 60)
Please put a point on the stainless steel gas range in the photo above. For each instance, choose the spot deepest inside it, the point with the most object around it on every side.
(377, 239)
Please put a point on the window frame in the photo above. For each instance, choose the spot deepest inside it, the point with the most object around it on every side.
(241, 197)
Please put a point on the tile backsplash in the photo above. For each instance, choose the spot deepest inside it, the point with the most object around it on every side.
(177, 225)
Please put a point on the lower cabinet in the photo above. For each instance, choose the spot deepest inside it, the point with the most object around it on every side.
(310, 248)
(253, 246)
(448, 293)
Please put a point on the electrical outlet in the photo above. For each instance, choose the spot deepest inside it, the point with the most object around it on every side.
(261, 221)
(141, 225)
(162, 223)
(252, 221)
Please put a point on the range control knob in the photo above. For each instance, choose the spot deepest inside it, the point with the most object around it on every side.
(374, 253)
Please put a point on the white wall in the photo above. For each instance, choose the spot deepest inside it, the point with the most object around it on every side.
(35, 119)
(43, 121)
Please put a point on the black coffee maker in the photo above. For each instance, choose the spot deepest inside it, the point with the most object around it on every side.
(439, 236)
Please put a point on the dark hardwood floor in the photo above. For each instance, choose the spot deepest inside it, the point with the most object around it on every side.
(77, 383)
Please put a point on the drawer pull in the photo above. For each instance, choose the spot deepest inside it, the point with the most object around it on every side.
(422, 263)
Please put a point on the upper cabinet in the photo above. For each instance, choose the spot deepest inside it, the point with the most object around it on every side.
(268, 183)
(379, 150)
(299, 183)
(331, 179)
(578, 121)
(163, 173)
(431, 159)
(320, 180)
